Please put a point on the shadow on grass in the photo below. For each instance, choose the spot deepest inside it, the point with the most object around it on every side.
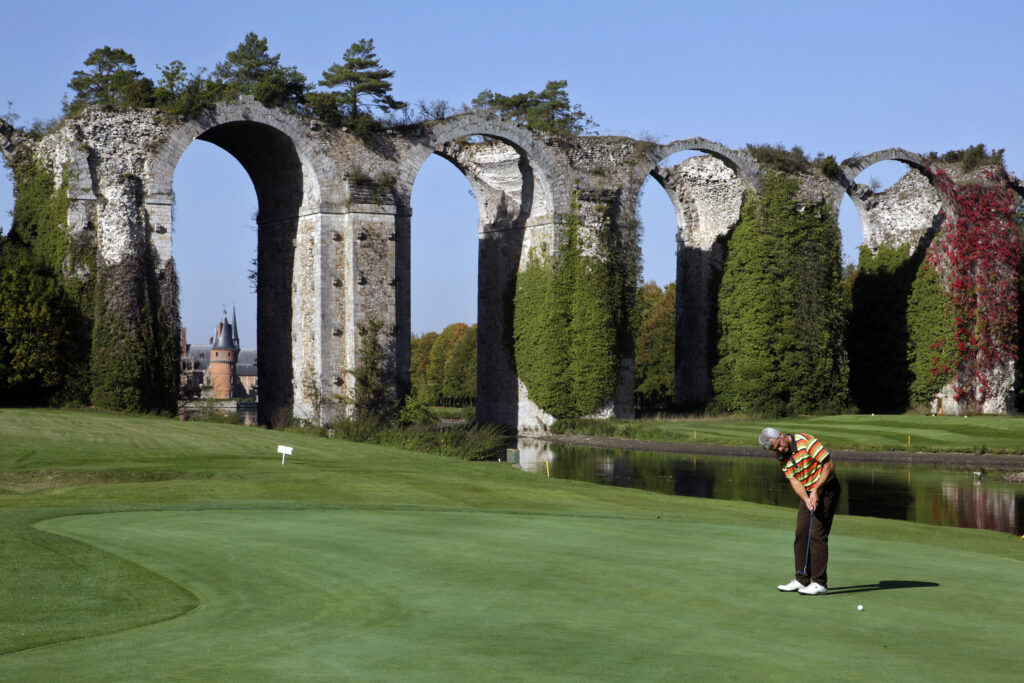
(881, 586)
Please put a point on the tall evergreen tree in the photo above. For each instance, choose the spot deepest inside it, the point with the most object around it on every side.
(113, 81)
(250, 69)
(781, 308)
(361, 84)
(36, 343)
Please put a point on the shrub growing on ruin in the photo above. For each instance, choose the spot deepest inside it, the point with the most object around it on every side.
(372, 394)
(549, 110)
(112, 81)
(250, 69)
(360, 85)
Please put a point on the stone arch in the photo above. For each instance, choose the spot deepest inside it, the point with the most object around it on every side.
(741, 163)
(702, 218)
(856, 165)
(288, 170)
(549, 172)
(905, 218)
(257, 137)
(521, 193)
(861, 196)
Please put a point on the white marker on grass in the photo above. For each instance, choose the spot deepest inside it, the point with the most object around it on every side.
(285, 451)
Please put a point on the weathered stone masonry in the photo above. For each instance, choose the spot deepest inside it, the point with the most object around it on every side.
(335, 219)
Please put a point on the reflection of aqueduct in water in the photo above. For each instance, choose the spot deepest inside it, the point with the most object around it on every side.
(334, 227)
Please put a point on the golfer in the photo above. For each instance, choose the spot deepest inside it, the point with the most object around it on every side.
(811, 472)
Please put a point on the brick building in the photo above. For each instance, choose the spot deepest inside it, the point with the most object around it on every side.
(220, 369)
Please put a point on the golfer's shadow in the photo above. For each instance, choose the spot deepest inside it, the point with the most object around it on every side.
(881, 586)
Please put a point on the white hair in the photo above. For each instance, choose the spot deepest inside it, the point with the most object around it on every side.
(767, 434)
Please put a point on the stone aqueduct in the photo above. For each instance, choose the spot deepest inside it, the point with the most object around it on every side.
(334, 226)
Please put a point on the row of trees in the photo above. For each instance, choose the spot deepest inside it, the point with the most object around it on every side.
(443, 366)
(354, 93)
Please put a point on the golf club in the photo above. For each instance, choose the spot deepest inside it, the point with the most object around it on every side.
(807, 555)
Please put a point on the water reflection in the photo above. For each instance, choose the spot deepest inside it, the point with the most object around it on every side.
(908, 492)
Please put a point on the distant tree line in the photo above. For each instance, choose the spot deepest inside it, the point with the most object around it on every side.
(443, 366)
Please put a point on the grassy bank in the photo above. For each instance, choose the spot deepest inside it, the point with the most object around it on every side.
(191, 546)
(917, 433)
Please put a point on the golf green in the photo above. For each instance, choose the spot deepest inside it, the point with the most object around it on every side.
(435, 594)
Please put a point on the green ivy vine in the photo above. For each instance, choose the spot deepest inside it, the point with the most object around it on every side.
(572, 319)
(781, 308)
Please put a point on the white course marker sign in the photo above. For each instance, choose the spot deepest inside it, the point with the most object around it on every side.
(285, 451)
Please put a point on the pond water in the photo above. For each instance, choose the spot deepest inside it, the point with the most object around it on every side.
(914, 493)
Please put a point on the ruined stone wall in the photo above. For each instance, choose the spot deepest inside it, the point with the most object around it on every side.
(902, 215)
(707, 196)
(335, 222)
(909, 214)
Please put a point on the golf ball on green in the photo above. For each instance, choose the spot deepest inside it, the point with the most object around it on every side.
(860, 608)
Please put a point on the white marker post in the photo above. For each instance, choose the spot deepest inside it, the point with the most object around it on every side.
(285, 451)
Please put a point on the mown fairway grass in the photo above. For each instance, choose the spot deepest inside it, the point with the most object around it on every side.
(974, 434)
(136, 548)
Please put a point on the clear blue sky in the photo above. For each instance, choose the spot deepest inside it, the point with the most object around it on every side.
(837, 78)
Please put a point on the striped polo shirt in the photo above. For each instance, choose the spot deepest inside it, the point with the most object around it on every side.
(805, 459)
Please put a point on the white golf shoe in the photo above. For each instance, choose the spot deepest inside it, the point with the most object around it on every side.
(813, 589)
(793, 585)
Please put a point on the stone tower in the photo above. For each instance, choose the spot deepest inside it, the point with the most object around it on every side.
(223, 357)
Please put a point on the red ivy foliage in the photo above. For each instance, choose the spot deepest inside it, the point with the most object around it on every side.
(978, 252)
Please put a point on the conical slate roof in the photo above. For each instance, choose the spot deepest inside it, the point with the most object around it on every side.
(226, 339)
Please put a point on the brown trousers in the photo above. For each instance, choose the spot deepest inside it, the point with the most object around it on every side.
(817, 561)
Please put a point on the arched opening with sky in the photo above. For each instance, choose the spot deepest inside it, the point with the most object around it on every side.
(214, 248)
(214, 242)
(702, 182)
(259, 164)
(509, 177)
(444, 248)
(888, 219)
(443, 259)
(663, 225)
